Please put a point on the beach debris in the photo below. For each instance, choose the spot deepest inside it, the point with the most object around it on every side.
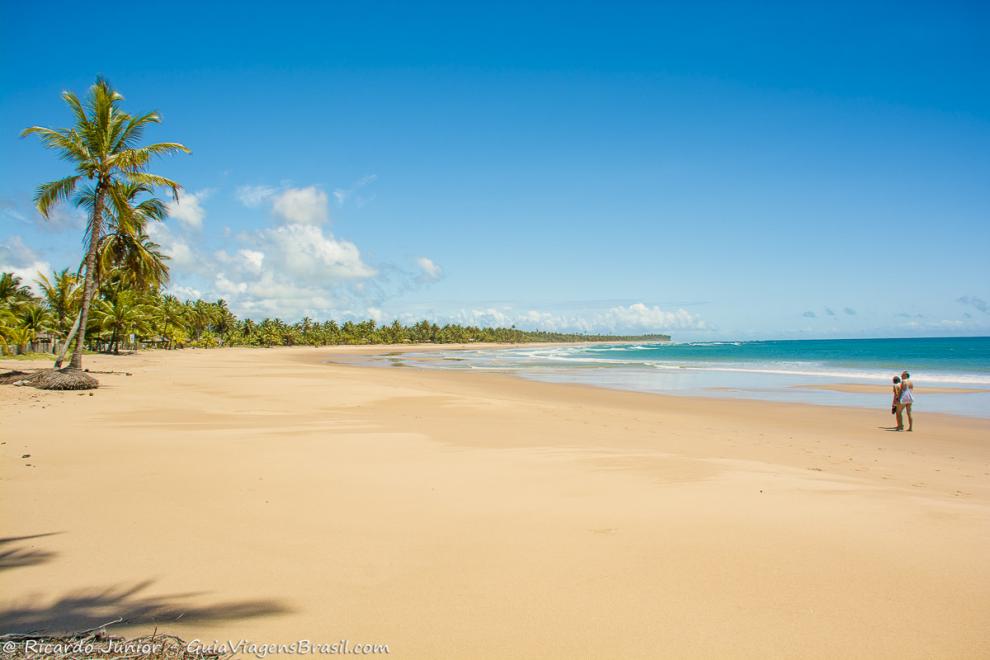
(99, 644)
(51, 379)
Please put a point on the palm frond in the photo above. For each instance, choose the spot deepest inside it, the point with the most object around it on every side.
(135, 129)
(155, 180)
(51, 193)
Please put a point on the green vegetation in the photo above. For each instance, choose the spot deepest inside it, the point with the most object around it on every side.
(123, 311)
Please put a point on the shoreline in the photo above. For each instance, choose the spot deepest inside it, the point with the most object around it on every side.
(270, 495)
(867, 396)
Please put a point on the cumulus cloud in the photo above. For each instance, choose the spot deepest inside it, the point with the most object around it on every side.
(19, 259)
(183, 257)
(185, 292)
(308, 254)
(977, 303)
(430, 271)
(293, 267)
(303, 206)
(637, 318)
(642, 317)
(246, 261)
(253, 196)
(188, 210)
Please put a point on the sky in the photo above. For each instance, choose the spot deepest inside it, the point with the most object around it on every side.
(709, 170)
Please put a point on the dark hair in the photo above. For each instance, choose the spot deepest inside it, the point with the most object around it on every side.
(897, 379)
(907, 375)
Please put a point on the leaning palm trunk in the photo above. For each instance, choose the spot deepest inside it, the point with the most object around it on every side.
(90, 282)
(68, 341)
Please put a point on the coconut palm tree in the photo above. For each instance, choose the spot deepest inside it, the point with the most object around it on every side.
(62, 293)
(125, 251)
(168, 317)
(225, 321)
(7, 324)
(13, 294)
(103, 146)
(126, 313)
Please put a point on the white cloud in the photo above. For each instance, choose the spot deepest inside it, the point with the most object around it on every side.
(185, 292)
(431, 271)
(19, 259)
(188, 210)
(304, 206)
(252, 196)
(294, 268)
(649, 319)
(306, 254)
(637, 318)
(252, 260)
(182, 256)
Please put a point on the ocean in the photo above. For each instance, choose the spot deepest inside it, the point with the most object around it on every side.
(767, 370)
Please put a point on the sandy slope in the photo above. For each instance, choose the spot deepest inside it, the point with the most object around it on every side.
(266, 495)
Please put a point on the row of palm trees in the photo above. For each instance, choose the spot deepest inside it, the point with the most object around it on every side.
(125, 315)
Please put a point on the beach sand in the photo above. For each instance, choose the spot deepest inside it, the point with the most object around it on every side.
(269, 496)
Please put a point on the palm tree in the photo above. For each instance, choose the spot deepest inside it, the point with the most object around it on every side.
(121, 316)
(103, 146)
(126, 247)
(225, 321)
(168, 316)
(13, 294)
(7, 324)
(62, 294)
(125, 252)
(30, 320)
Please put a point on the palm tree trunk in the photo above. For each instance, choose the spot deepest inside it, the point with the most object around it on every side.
(68, 341)
(94, 241)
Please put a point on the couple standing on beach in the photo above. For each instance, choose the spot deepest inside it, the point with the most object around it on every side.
(903, 398)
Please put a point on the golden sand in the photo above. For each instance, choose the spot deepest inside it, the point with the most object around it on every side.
(267, 495)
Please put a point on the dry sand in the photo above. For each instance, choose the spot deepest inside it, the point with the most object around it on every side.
(266, 495)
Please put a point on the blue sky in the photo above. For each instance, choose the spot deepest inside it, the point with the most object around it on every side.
(717, 170)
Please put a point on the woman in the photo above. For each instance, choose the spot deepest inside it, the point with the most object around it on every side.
(895, 406)
(905, 401)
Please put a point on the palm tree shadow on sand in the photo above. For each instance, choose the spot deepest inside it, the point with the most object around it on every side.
(91, 608)
(20, 557)
(122, 605)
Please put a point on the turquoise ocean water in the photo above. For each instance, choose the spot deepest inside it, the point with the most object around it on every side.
(771, 370)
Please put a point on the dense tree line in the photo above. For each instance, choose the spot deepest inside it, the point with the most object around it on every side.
(124, 317)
